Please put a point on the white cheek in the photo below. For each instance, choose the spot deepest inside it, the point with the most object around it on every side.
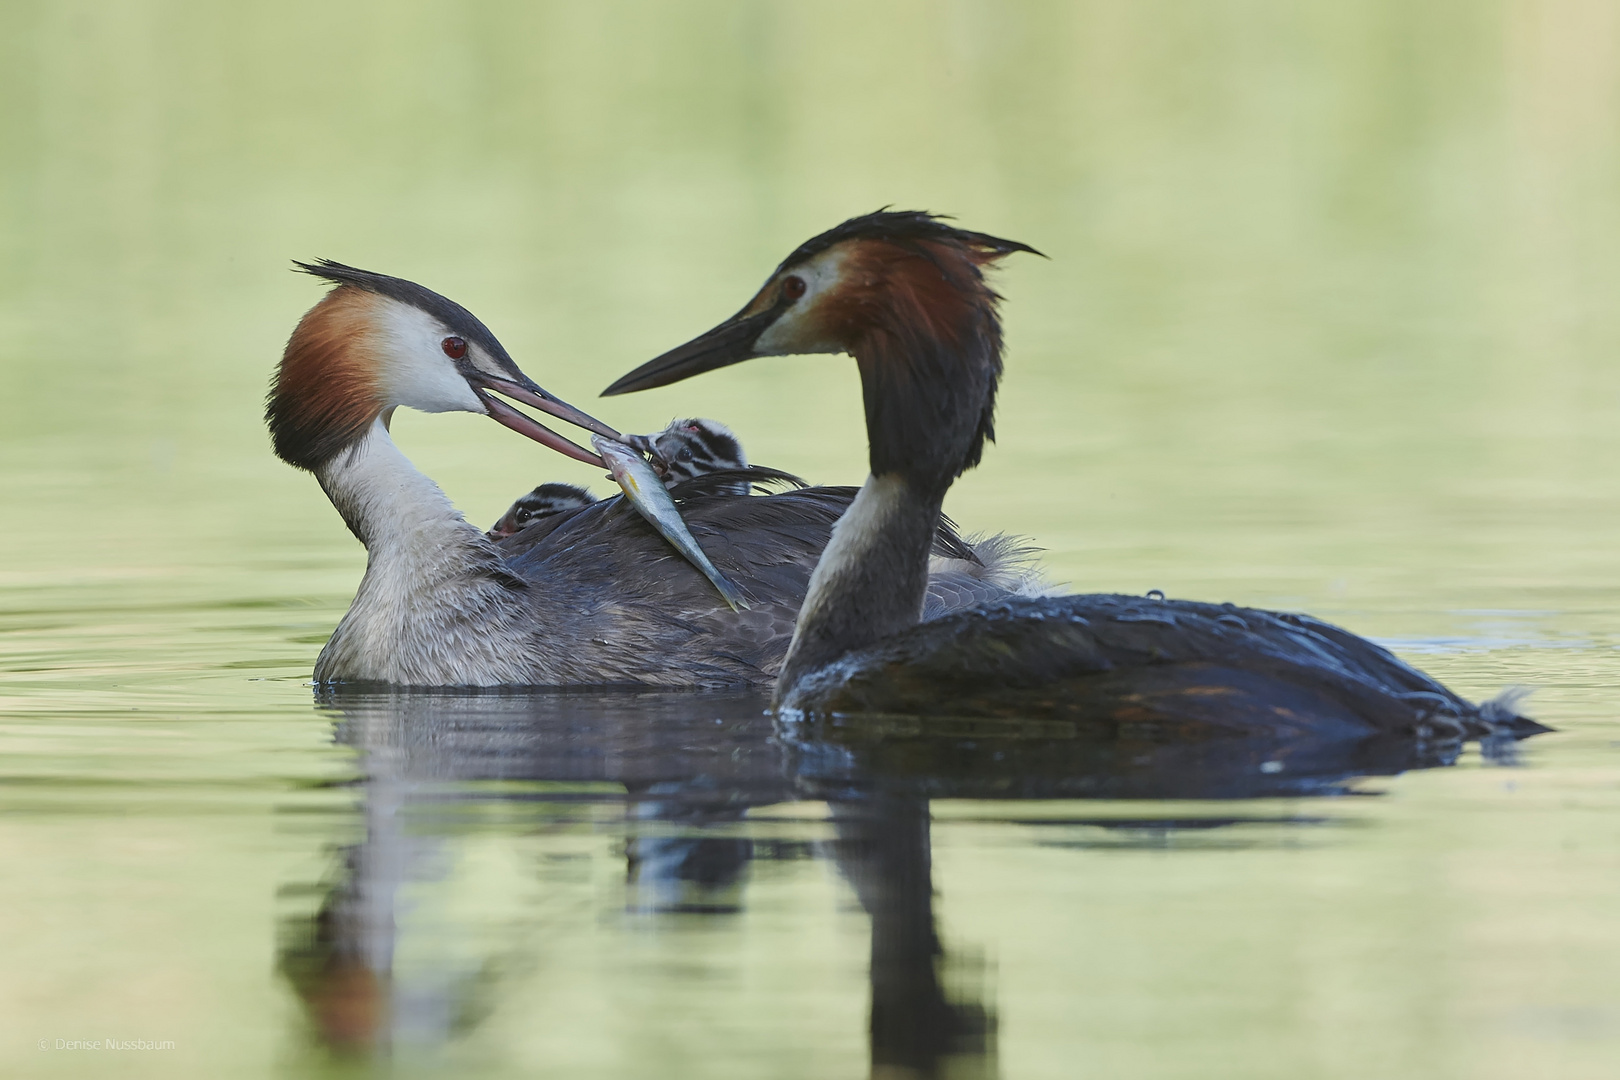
(793, 333)
(797, 331)
(415, 370)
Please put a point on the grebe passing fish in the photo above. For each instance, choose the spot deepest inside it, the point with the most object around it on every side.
(597, 598)
(683, 450)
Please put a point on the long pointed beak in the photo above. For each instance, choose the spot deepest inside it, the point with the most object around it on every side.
(729, 343)
(538, 398)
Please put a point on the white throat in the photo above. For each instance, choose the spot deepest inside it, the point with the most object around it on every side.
(862, 532)
(386, 502)
(871, 579)
(428, 611)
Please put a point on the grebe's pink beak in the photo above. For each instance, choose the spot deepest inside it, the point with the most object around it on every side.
(523, 424)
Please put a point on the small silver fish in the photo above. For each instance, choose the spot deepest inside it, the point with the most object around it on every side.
(647, 494)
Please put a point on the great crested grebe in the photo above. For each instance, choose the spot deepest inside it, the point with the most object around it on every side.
(683, 450)
(904, 293)
(599, 599)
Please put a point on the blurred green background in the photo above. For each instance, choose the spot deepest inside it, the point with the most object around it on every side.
(1329, 322)
(1331, 290)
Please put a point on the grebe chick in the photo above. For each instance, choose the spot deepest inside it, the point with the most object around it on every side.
(545, 501)
(904, 293)
(683, 450)
(695, 447)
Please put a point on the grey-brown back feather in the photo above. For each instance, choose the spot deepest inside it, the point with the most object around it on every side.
(608, 575)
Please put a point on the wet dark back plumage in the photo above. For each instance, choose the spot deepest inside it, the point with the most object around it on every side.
(1151, 666)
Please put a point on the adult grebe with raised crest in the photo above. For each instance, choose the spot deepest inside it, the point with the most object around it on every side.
(905, 294)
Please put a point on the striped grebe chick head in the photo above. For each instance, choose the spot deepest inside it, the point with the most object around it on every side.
(694, 447)
(544, 501)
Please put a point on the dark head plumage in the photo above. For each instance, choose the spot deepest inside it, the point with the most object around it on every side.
(907, 228)
(904, 292)
(925, 328)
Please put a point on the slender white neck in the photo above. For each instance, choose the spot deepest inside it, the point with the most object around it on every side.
(871, 579)
(389, 505)
(430, 609)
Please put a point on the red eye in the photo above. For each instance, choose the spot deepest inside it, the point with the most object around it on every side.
(455, 348)
(792, 287)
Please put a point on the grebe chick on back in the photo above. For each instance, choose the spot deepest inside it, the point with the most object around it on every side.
(683, 450)
(904, 293)
(694, 447)
(602, 598)
(545, 501)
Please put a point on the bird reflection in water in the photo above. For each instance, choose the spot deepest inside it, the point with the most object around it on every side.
(883, 851)
(342, 961)
(678, 858)
(680, 774)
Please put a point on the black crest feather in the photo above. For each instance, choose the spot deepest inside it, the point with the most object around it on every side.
(904, 227)
(457, 318)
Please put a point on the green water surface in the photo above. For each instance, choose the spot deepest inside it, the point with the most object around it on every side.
(1331, 322)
